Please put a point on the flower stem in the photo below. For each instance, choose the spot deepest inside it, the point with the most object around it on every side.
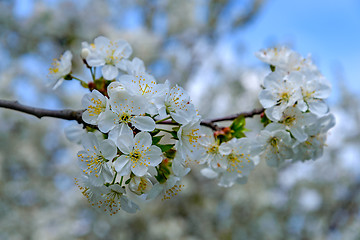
(76, 78)
(113, 181)
(92, 73)
(121, 180)
(163, 119)
(164, 130)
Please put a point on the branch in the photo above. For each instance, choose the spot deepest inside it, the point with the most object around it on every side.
(68, 114)
(211, 123)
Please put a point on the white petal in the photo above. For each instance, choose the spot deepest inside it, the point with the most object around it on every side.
(89, 118)
(120, 130)
(143, 123)
(299, 134)
(107, 121)
(122, 165)
(143, 140)
(90, 142)
(139, 170)
(108, 149)
(209, 173)
(125, 142)
(179, 169)
(109, 72)
(154, 155)
(267, 99)
(155, 191)
(128, 205)
(318, 107)
(95, 59)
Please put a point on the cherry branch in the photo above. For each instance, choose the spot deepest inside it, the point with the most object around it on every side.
(66, 114)
(76, 115)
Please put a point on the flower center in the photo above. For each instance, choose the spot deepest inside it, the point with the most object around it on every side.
(289, 120)
(172, 191)
(55, 67)
(97, 108)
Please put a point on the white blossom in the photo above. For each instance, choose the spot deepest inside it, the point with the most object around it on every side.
(140, 185)
(60, 69)
(188, 144)
(238, 163)
(94, 159)
(168, 189)
(135, 67)
(125, 110)
(294, 120)
(314, 145)
(178, 105)
(286, 59)
(314, 89)
(281, 91)
(95, 104)
(110, 55)
(138, 154)
(145, 86)
(274, 146)
(211, 153)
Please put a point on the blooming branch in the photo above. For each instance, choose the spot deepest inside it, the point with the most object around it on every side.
(122, 139)
(68, 114)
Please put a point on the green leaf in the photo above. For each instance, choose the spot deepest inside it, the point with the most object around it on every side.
(238, 127)
(156, 140)
(153, 133)
(174, 135)
(239, 134)
(238, 123)
(128, 181)
(165, 147)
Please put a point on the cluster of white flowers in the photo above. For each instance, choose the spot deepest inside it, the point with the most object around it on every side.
(141, 136)
(293, 97)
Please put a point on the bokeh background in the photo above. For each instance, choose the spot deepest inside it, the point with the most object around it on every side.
(206, 46)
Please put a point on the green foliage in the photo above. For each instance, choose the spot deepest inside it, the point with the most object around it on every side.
(238, 127)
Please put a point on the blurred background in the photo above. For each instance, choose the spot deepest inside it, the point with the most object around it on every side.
(206, 46)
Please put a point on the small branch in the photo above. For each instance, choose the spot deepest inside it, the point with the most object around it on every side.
(211, 123)
(68, 114)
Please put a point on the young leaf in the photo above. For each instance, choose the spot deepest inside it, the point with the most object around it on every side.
(156, 140)
(165, 147)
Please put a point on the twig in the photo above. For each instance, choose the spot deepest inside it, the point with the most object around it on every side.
(68, 114)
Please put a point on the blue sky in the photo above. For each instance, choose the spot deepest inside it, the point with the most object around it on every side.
(328, 29)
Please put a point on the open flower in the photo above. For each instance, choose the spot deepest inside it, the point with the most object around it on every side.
(144, 85)
(237, 161)
(167, 189)
(94, 159)
(60, 69)
(281, 91)
(95, 104)
(178, 105)
(110, 55)
(294, 120)
(125, 110)
(314, 90)
(274, 146)
(107, 198)
(138, 154)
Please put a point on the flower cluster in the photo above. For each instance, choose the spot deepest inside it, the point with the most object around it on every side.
(296, 114)
(141, 137)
